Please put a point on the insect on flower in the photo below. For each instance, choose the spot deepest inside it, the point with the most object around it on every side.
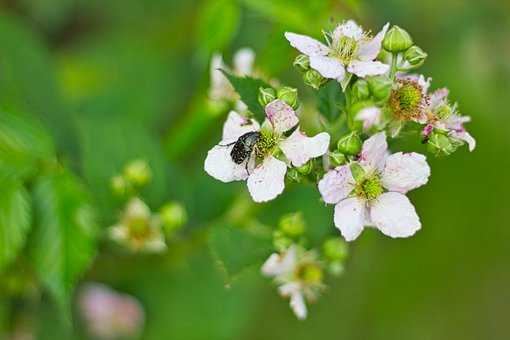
(243, 148)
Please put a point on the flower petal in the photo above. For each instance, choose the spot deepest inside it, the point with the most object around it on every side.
(297, 303)
(466, 137)
(281, 116)
(328, 67)
(438, 97)
(278, 264)
(235, 126)
(306, 45)
(350, 217)
(299, 148)
(394, 215)
(374, 152)
(219, 164)
(405, 171)
(336, 184)
(367, 68)
(243, 61)
(370, 116)
(267, 180)
(348, 29)
(370, 49)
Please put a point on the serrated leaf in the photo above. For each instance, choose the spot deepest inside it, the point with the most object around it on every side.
(63, 243)
(15, 218)
(331, 100)
(238, 249)
(248, 90)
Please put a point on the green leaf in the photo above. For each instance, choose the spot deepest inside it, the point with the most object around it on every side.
(63, 243)
(248, 90)
(331, 100)
(238, 249)
(15, 217)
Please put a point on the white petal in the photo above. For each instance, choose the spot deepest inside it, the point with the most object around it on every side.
(267, 180)
(394, 215)
(219, 164)
(299, 148)
(306, 45)
(278, 264)
(328, 67)
(374, 152)
(281, 116)
(438, 97)
(367, 68)
(336, 184)
(405, 171)
(350, 217)
(466, 137)
(370, 49)
(348, 29)
(370, 116)
(220, 86)
(297, 303)
(243, 61)
(235, 126)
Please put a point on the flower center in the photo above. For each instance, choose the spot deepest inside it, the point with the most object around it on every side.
(406, 100)
(344, 49)
(369, 187)
(310, 273)
(265, 145)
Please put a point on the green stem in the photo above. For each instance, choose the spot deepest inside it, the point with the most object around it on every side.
(393, 70)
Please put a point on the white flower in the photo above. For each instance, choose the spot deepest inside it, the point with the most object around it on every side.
(370, 116)
(108, 314)
(444, 116)
(376, 197)
(298, 275)
(349, 49)
(220, 88)
(264, 173)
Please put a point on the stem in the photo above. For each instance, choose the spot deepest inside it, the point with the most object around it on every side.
(393, 70)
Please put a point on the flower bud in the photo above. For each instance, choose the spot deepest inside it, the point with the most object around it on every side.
(335, 249)
(397, 40)
(337, 158)
(138, 172)
(360, 90)
(306, 169)
(294, 175)
(293, 224)
(302, 62)
(119, 185)
(350, 144)
(441, 145)
(314, 79)
(380, 87)
(173, 216)
(266, 95)
(415, 56)
(336, 268)
(281, 241)
(289, 95)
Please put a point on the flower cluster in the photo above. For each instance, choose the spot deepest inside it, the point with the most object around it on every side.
(379, 99)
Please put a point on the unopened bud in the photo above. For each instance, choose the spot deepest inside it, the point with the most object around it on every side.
(289, 95)
(173, 216)
(380, 87)
(138, 172)
(294, 175)
(441, 145)
(350, 144)
(266, 95)
(397, 40)
(293, 224)
(415, 56)
(337, 158)
(281, 242)
(119, 185)
(360, 90)
(314, 79)
(335, 249)
(302, 62)
(306, 168)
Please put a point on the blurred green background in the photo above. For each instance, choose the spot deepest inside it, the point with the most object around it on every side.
(114, 80)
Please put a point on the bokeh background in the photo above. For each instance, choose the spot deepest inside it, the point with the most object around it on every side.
(115, 80)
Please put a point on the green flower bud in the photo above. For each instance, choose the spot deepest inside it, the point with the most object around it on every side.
(335, 249)
(350, 144)
(302, 62)
(314, 79)
(380, 87)
(415, 56)
(138, 172)
(294, 175)
(337, 158)
(397, 40)
(280, 241)
(289, 95)
(360, 90)
(173, 216)
(119, 185)
(293, 224)
(266, 95)
(336, 268)
(440, 144)
(306, 169)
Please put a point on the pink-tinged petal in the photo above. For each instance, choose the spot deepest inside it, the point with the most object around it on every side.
(281, 116)
(328, 67)
(438, 98)
(267, 180)
(405, 171)
(374, 152)
(278, 264)
(336, 184)
(235, 126)
(299, 148)
(370, 116)
(370, 49)
(219, 164)
(306, 45)
(348, 29)
(367, 68)
(243, 61)
(350, 216)
(394, 215)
